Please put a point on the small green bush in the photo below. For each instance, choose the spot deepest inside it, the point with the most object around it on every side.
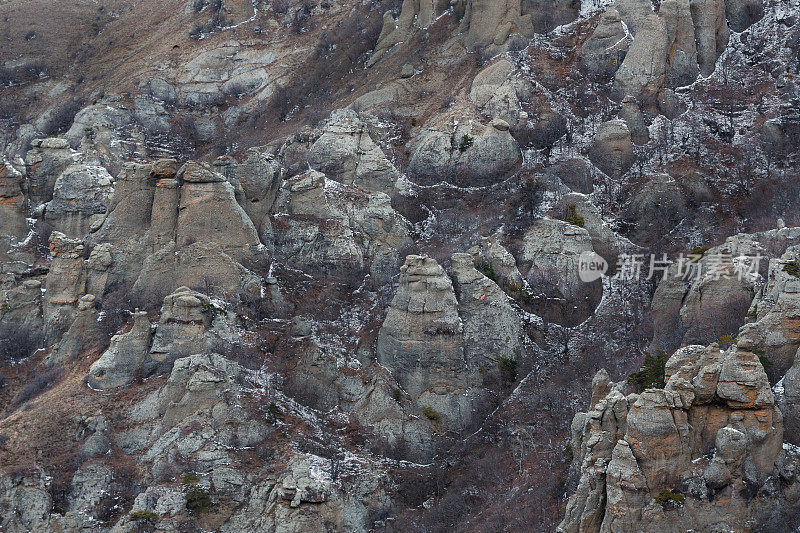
(762, 356)
(508, 368)
(397, 395)
(274, 414)
(726, 341)
(213, 309)
(190, 478)
(198, 499)
(792, 268)
(669, 499)
(466, 142)
(144, 519)
(651, 373)
(573, 217)
(699, 250)
(568, 453)
(144, 515)
(486, 268)
(431, 413)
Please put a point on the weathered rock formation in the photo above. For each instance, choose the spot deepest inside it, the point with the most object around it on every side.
(421, 343)
(465, 155)
(549, 260)
(686, 457)
(121, 364)
(322, 224)
(346, 152)
(81, 195)
(612, 149)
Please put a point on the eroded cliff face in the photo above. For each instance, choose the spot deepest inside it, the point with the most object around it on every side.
(320, 266)
(704, 453)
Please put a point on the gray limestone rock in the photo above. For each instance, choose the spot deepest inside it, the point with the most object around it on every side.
(643, 72)
(346, 152)
(81, 196)
(122, 362)
(469, 155)
(605, 50)
(612, 149)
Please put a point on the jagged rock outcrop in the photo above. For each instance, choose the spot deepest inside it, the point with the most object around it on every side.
(322, 224)
(256, 180)
(421, 343)
(65, 283)
(612, 149)
(682, 457)
(682, 67)
(346, 152)
(689, 307)
(13, 209)
(637, 123)
(605, 50)
(81, 195)
(491, 327)
(498, 92)
(166, 231)
(775, 314)
(643, 72)
(414, 15)
(84, 332)
(549, 260)
(574, 173)
(486, 22)
(711, 32)
(190, 323)
(121, 364)
(490, 254)
(107, 128)
(683, 40)
(45, 162)
(789, 402)
(633, 13)
(605, 241)
(466, 155)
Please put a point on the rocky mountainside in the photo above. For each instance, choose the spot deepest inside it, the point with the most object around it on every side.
(301, 265)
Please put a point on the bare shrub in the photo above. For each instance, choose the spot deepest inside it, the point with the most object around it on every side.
(37, 385)
(18, 342)
(61, 119)
(301, 17)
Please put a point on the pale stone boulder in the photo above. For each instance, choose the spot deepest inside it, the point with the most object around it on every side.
(644, 69)
(468, 155)
(603, 52)
(682, 68)
(121, 363)
(81, 196)
(711, 32)
(346, 152)
(612, 149)
(491, 326)
(633, 13)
